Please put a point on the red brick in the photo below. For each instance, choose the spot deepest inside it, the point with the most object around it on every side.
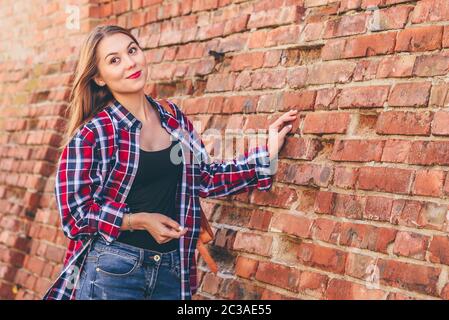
(410, 94)
(429, 153)
(385, 179)
(273, 17)
(235, 290)
(406, 212)
(429, 183)
(326, 123)
(422, 279)
(313, 284)
(251, 60)
(370, 45)
(302, 101)
(439, 96)
(282, 197)
(305, 174)
(430, 11)
(325, 230)
(293, 225)
(217, 83)
(253, 243)
(366, 70)
(211, 283)
(396, 151)
(396, 67)
(283, 35)
(363, 97)
(405, 123)
(378, 208)
(392, 18)
(345, 290)
(297, 77)
(349, 206)
(268, 79)
(440, 123)
(431, 65)
(324, 202)
(278, 275)
(420, 39)
(366, 237)
(357, 150)
(347, 5)
(324, 258)
(300, 148)
(345, 26)
(439, 250)
(362, 267)
(333, 49)
(326, 99)
(260, 220)
(313, 31)
(246, 267)
(399, 296)
(345, 178)
(330, 72)
(411, 245)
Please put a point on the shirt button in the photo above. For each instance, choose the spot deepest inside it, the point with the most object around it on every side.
(157, 257)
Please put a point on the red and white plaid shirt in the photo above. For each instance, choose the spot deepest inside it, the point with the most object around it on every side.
(96, 171)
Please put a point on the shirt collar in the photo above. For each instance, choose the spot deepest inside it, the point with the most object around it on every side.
(126, 119)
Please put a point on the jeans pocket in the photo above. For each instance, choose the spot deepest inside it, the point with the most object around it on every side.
(176, 268)
(115, 264)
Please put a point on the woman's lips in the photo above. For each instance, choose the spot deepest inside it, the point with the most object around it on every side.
(135, 75)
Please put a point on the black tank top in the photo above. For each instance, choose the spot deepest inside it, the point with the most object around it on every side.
(154, 190)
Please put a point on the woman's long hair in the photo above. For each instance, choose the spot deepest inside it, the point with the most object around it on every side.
(86, 97)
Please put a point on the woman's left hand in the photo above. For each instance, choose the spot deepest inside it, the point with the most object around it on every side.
(276, 138)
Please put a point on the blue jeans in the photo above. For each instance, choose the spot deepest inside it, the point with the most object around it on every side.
(123, 272)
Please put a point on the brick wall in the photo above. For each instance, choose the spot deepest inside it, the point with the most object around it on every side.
(358, 209)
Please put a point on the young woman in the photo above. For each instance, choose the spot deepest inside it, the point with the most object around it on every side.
(128, 205)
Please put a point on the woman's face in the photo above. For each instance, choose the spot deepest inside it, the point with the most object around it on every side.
(119, 58)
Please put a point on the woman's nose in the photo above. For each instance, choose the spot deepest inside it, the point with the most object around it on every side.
(130, 63)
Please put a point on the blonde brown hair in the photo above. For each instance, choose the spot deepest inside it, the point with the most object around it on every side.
(86, 97)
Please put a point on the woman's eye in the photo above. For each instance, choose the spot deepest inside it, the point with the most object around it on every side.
(133, 48)
(113, 60)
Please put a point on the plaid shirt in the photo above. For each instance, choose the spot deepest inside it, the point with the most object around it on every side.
(97, 168)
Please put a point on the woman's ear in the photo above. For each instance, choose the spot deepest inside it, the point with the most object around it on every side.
(99, 81)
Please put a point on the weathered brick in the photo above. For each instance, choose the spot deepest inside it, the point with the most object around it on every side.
(408, 276)
(363, 97)
(320, 257)
(292, 224)
(326, 123)
(346, 290)
(420, 39)
(357, 150)
(253, 243)
(439, 249)
(409, 94)
(246, 267)
(429, 183)
(411, 245)
(385, 179)
(405, 123)
(278, 275)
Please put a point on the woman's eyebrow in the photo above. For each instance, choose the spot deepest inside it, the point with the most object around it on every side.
(116, 52)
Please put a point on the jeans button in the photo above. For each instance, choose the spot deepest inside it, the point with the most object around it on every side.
(157, 257)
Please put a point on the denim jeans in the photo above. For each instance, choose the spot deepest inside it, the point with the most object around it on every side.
(120, 271)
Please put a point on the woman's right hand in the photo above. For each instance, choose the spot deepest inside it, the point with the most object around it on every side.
(161, 227)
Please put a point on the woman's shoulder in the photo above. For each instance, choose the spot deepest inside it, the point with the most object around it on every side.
(95, 127)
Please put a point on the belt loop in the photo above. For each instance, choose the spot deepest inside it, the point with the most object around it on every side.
(141, 256)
